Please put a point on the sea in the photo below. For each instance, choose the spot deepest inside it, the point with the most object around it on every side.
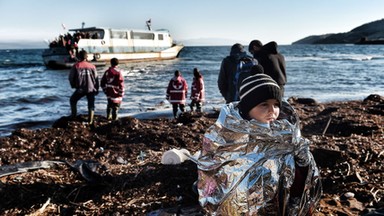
(33, 96)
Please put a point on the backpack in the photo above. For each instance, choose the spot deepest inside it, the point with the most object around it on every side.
(243, 70)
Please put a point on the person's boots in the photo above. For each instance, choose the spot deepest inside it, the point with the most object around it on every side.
(73, 112)
(90, 116)
(109, 116)
(114, 114)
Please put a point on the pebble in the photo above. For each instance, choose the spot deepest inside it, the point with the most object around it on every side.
(349, 195)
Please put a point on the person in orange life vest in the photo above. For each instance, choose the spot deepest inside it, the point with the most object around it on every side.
(112, 84)
(177, 92)
(83, 77)
(197, 91)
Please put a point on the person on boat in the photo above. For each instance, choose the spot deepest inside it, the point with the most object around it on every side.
(254, 160)
(272, 61)
(177, 92)
(197, 91)
(83, 78)
(112, 84)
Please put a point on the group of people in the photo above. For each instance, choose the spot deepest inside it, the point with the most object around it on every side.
(177, 92)
(253, 160)
(265, 58)
(84, 79)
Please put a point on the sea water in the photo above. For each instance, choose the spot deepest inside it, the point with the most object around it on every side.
(33, 96)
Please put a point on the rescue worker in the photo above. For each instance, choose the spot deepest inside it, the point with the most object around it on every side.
(177, 91)
(112, 84)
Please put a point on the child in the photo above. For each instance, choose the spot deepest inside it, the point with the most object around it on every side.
(197, 91)
(112, 84)
(253, 161)
(177, 91)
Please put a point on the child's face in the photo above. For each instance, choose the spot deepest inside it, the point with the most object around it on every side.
(266, 111)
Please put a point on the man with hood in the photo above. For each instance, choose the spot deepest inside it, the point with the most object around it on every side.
(272, 61)
(229, 70)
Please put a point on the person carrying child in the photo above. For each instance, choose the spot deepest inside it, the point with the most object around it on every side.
(197, 91)
(254, 160)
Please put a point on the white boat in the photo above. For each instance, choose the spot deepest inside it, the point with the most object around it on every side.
(102, 44)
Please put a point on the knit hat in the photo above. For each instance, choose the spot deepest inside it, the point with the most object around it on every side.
(256, 89)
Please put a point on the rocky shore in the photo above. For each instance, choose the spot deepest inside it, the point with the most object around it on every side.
(114, 168)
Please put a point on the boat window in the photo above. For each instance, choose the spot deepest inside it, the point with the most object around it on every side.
(143, 36)
(96, 34)
(161, 37)
(118, 34)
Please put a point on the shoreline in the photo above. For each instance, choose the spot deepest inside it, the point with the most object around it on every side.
(154, 113)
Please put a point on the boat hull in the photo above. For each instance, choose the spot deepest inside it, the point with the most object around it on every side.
(59, 59)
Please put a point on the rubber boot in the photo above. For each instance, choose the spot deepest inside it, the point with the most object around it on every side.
(73, 112)
(109, 115)
(114, 114)
(90, 116)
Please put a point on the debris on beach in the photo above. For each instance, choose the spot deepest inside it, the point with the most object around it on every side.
(116, 167)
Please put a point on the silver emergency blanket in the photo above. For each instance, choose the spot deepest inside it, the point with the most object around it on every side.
(248, 168)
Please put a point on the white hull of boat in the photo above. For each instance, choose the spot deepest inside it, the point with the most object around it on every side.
(59, 61)
(103, 44)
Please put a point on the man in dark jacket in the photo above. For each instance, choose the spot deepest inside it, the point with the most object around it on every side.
(229, 67)
(272, 61)
(83, 77)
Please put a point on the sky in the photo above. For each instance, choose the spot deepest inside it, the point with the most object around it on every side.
(283, 21)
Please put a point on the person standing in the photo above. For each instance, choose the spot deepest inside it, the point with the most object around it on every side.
(272, 61)
(197, 91)
(177, 91)
(237, 64)
(83, 77)
(112, 84)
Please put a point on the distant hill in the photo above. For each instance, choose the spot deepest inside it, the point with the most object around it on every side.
(370, 33)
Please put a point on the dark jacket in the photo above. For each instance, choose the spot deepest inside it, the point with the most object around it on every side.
(83, 76)
(112, 84)
(227, 73)
(273, 62)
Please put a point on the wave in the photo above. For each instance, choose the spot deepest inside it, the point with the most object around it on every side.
(20, 65)
(333, 58)
(38, 100)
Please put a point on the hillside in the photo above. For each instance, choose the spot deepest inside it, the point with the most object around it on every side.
(369, 33)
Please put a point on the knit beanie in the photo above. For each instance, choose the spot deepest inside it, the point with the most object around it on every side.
(255, 90)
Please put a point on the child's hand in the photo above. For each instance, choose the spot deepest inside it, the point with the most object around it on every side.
(302, 154)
